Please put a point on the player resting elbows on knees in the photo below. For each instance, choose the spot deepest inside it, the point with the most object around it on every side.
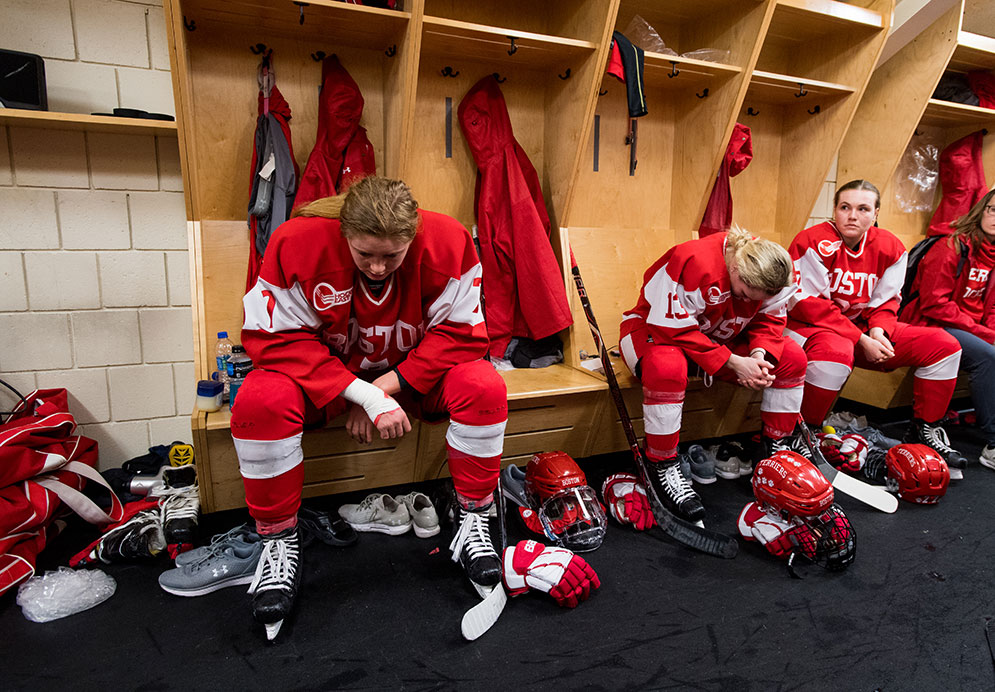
(718, 302)
(368, 306)
(851, 274)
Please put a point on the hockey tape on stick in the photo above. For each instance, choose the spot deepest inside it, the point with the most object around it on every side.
(482, 616)
(684, 532)
(871, 495)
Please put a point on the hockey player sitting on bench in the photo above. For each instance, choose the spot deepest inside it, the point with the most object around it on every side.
(719, 302)
(368, 306)
(851, 274)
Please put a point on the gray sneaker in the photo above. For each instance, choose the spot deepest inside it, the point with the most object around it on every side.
(377, 512)
(245, 532)
(225, 563)
(702, 466)
(422, 512)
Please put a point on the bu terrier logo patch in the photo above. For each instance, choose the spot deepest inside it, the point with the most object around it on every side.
(828, 248)
(325, 296)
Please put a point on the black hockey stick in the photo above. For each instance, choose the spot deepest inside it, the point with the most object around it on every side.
(872, 495)
(682, 531)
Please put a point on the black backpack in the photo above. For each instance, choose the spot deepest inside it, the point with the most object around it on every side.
(916, 254)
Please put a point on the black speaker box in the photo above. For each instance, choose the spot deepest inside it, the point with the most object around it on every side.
(22, 81)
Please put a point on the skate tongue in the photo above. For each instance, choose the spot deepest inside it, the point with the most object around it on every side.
(273, 629)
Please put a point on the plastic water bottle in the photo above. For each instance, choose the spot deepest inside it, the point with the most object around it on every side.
(222, 352)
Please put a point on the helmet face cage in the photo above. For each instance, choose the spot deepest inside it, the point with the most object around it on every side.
(574, 519)
(836, 546)
(917, 473)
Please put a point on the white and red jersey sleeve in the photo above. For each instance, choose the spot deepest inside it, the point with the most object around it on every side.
(848, 291)
(312, 317)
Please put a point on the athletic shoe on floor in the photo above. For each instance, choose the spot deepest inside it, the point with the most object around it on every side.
(472, 547)
(245, 533)
(673, 489)
(702, 466)
(226, 563)
(377, 513)
(422, 513)
(987, 457)
(729, 459)
(277, 577)
(179, 498)
(935, 436)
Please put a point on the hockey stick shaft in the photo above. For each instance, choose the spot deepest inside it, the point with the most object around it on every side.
(684, 532)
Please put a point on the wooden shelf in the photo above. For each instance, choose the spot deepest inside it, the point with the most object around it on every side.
(450, 38)
(973, 52)
(949, 114)
(87, 123)
(805, 19)
(692, 73)
(328, 21)
(769, 87)
(676, 11)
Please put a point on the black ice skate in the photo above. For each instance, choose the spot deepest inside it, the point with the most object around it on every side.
(792, 443)
(278, 575)
(179, 498)
(935, 437)
(472, 546)
(674, 490)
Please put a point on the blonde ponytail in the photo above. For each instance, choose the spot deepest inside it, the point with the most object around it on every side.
(375, 206)
(326, 208)
(761, 264)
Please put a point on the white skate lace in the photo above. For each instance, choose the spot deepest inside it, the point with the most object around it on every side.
(937, 438)
(475, 535)
(178, 503)
(277, 564)
(675, 484)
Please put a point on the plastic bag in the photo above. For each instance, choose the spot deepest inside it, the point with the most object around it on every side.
(645, 36)
(917, 175)
(709, 55)
(63, 592)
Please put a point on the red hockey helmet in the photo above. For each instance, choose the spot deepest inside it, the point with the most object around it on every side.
(567, 506)
(918, 472)
(791, 485)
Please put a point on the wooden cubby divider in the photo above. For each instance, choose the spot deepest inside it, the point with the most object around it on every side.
(552, 59)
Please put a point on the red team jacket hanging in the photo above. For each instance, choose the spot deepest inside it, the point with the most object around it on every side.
(739, 153)
(522, 282)
(962, 177)
(342, 152)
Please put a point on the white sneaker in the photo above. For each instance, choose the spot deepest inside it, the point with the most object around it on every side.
(422, 512)
(377, 513)
(987, 457)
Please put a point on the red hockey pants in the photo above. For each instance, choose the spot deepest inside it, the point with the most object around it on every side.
(271, 412)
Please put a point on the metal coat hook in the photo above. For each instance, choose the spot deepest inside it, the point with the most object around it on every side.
(801, 91)
(815, 110)
(498, 78)
(302, 5)
(673, 69)
(750, 111)
(917, 132)
(391, 52)
(514, 48)
(603, 92)
(703, 94)
(319, 56)
(189, 26)
(447, 71)
(258, 49)
(565, 75)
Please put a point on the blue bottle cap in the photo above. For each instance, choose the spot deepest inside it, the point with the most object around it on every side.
(209, 388)
(222, 335)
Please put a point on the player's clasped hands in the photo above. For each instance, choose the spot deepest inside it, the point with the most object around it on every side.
(752, 372)
(876, 346)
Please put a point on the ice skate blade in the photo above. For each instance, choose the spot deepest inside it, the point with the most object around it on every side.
(700, 523)
(273, 629)
(956, 474)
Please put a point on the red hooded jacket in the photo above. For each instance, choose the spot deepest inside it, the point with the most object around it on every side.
(522, 281)
(739, 153)
(962, 176)
(342, 152)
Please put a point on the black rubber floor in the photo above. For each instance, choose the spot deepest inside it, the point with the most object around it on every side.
(911, 613)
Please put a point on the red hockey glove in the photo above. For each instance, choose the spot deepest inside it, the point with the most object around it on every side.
(778, 536)
(847, 453)
(557, 571)
(627, 502)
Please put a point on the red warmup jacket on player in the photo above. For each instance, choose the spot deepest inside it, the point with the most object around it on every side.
(962, 178)
(739, 153)
(342, 152)
(965, 302)
(523, 283)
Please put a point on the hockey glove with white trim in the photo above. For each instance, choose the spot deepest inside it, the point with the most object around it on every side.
(626, 499)
(557, 571)
(848, 453)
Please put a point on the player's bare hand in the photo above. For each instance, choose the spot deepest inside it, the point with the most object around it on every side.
(358, 425)
(874, 350)
(393, 424)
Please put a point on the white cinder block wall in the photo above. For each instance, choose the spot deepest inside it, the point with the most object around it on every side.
(823, 209)
(94, 274)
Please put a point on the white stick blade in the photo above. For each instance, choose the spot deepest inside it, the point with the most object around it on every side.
(273, 629)
(482, 616)
(872, 495)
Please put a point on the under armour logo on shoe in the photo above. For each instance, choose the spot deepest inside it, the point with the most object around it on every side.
(218, 572)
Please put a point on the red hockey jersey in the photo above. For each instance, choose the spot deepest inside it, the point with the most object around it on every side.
(686, 301)
(311, 316)
(847, 291)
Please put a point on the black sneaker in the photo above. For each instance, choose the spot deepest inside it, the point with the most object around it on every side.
(935, 436)
(472, 546)
(278, 575)
(673, 489)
